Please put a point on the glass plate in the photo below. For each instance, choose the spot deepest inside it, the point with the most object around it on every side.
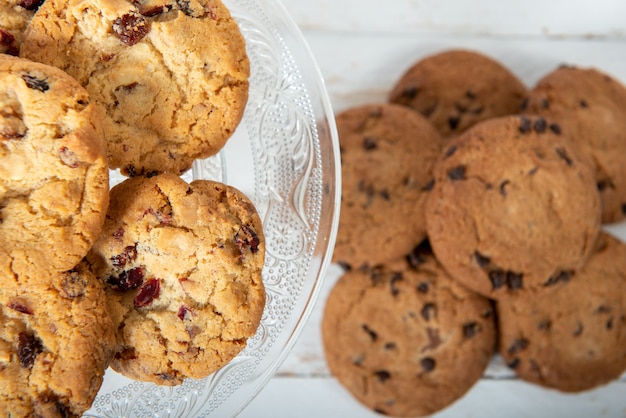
(285, 157)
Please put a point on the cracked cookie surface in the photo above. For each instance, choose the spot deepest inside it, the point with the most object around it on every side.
(170, 77)
(571, 338)
(182, 265)
(53, 173)
(56, 340)
(458, 88)
(513, 208)
(591, 107)
(387, 154)
(404, 338)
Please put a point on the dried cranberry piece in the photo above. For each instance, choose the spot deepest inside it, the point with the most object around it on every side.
(28, 347)
(127, 280)
(184, 312)
(156, 10)
(6, 38)
(34, 83)
(68, 157)
(31, 4)
(148, 293)
(129, 254)
(73, 284)
(131, 28)
(247, 238)
(17, 306)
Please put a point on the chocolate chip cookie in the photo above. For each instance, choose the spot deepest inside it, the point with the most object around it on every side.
(182, 265)
(404, 338)
(456, 89)
(169, 77)
(572, 338)
(387, 153)
(513, 207)
(56, 340)
(591, 108)
(53, 174)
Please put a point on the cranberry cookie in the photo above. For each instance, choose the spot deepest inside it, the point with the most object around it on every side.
(54, 184)
(169, 77)
(182, 263)
(404, 338)
(513, 207)
(56, 340)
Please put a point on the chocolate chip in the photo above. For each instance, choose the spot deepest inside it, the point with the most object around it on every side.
(419, 254)
(31, 4)
(478, 110)
(396, 277)
(28, 347)
(540, 125)
(579, 329)
(525, 125)
(373, 335)
(131, 28)
(470, 95)
(563, 276)
(514, 364)
(457, 173)
(498, 279)
(470, 330)
(545, 325)
(369, 144)
(482, 261)
(385, 194)
(609, 324)
(603, 309)
(450, 151)
(434, 340)
(514, 280)
(429, 186)
(429, 310)
(428, 364)
(583, 104)
(390, 346)
(345, 266)
(503, 187)
(563, 155)
(556, 128)
(453, 122)
(34, 83)
(129, 170)
(524, 104)
(422, 287)
(410, 93)
(605, 184)
(382, 375)
(518, 345)
(545, 103)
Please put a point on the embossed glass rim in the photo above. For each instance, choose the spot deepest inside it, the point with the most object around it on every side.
(314, 195)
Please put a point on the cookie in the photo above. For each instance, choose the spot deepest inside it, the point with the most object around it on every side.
(182, 263)
(53, 174)
(387, 153)
(456, 89)
(56, 340)
(404, 338)
(513, 208)
(591, 108)
(572, 338)
(15, 15)
(170, 77)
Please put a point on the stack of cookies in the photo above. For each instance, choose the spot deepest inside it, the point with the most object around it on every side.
(158, 278)
(470, 224)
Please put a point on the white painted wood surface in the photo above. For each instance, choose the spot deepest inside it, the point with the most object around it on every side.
(362, 47)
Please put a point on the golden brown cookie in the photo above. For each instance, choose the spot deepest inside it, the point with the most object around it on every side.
(54, 185)
(571, 338)
(183, 264)
(404, 338)
(456, 89)
(170, 77)
(513, 207)
(56, 340)
(387, 153)
(15, 15)
(591, 108)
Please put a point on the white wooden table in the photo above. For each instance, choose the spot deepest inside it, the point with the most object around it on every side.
(362, 47)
